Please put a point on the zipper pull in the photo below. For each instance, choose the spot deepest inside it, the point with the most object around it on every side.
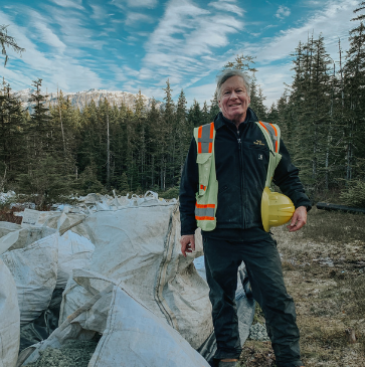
(239, 144)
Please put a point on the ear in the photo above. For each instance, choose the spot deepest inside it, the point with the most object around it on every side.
(219, 104)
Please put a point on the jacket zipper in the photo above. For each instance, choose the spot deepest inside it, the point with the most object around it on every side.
(241, 173)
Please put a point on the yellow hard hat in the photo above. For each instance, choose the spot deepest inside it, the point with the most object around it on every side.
(276, 209)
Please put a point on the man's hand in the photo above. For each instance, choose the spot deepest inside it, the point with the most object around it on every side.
(299, 219)
(187, 243)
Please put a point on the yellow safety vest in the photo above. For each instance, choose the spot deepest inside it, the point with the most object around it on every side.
(207, 195)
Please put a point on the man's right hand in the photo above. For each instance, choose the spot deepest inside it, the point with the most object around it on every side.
(187, 244)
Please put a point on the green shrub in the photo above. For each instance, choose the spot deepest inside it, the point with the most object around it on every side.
(355, 194)
(171, 193)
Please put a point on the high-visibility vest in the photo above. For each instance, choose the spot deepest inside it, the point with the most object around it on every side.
(207, 195)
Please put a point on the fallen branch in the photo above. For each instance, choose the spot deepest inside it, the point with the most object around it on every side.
(332, 207)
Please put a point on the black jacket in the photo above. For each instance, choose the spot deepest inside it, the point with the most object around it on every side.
(241, 159)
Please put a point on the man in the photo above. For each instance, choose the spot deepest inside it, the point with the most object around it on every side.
(241, 161)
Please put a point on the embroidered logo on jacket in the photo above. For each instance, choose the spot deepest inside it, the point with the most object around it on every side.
(259, 142)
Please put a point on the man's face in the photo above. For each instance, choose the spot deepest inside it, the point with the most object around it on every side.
(234, 99)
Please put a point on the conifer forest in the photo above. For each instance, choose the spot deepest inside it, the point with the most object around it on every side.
(54, 151)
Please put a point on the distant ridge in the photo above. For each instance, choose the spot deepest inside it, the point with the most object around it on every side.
(82, 99)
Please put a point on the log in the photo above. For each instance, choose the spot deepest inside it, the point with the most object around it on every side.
(343, 208)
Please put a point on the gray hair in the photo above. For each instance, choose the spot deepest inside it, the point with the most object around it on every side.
(229, 73)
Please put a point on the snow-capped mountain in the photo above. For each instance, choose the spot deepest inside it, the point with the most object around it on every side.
(81, 99)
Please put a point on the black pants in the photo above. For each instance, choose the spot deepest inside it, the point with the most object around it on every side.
(262, 260)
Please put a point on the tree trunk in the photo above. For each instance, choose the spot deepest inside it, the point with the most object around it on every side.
(107, 152)
(61, 122)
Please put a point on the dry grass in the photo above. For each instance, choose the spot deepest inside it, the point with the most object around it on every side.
(7, 214)
(324, 270)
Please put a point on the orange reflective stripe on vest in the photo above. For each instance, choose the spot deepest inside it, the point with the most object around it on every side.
(204, 211)
(273, 132)
(205, 138)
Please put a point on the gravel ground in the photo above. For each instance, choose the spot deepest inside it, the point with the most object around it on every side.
(258, 332)
(74, 353)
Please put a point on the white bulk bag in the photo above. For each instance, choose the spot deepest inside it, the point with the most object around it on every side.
(138, 248)
(34, 269)
(74, 252)
(7, 227)
(23, 237)
(135, 337)
(9, 319)
(132, 335)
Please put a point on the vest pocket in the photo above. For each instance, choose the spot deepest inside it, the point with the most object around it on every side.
(204, 161)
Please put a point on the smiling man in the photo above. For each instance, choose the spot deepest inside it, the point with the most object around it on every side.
(221, 188)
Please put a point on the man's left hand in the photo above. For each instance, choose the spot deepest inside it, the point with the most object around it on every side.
(299, 219)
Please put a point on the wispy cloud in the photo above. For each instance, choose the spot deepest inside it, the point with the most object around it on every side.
(44, 33)
(74, 31)
(332, 22)
(135, 19)
(202, 93)
(185, 34)
(227, 6)
(56, 69)
(99, 14)
(69, 3)
(282, 12)
(134, 3)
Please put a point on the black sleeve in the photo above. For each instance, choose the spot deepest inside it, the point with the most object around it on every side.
(287, 178)
(188, 188)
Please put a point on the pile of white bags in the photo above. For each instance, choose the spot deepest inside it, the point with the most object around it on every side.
(137, 248)
(34, 269)
(41, 259)
(120, 263)
(9, 319)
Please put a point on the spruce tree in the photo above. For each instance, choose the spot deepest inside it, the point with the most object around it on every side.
(214, 108)
(184, 129)
(354, 99)
(195, 116)
(257, 101)
(12, 138)
(123, 185)
(153, 145)
(8, 41)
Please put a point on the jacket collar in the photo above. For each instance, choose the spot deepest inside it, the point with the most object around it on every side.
(220, 120)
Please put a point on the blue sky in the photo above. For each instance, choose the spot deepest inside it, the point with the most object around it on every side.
(128, 45)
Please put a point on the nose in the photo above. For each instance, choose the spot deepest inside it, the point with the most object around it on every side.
(233, 95)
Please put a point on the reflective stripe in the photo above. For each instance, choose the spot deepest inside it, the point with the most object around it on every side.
(204, 218)
(200, 129)
(271, 129)
(204, 211)
(205, 138)
(276, 137)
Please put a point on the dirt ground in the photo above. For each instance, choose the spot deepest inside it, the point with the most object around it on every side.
(324, 270)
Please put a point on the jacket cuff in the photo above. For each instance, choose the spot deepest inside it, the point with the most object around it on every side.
(187, 229)
(301, 199)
